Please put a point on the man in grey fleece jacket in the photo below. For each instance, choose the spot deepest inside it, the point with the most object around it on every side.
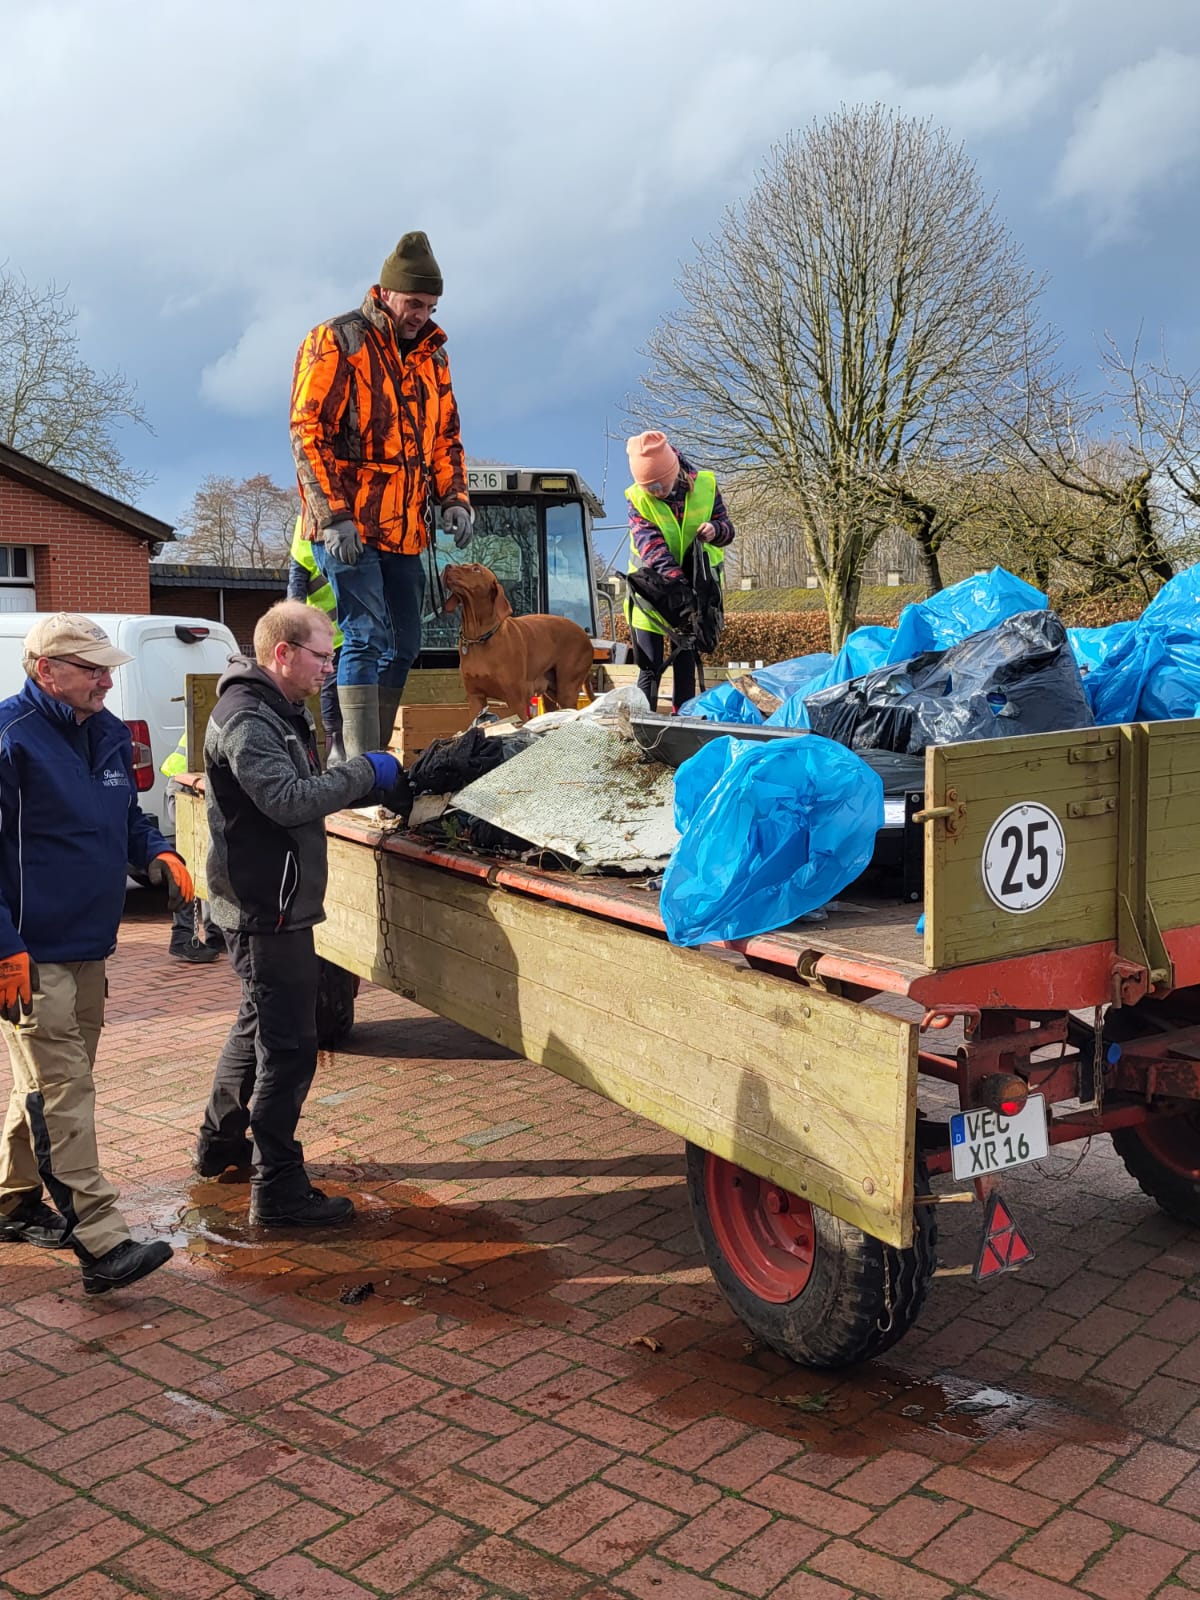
(267, 800)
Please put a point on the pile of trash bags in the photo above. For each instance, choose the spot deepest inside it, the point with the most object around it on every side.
(1019, 677)
(1144, 670)
(771, 831)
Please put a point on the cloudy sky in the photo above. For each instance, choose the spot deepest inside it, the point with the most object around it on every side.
(210, 179)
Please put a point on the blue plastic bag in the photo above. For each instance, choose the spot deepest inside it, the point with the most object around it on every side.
(785, 677)
(722, 703)
(1092, 646)
(863, 651)
(769, 831)
(972, 606)
(1177, 603)
(1154, 670)
(1172, 683)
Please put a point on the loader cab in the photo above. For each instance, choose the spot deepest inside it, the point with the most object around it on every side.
(533, 528)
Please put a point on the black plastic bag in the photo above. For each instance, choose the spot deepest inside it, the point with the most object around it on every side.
(1019, 677)
(691, 608)
(709, 620)
(671, 601)
(448, 765)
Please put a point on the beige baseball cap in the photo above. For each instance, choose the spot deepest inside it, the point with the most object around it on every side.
(66, 633)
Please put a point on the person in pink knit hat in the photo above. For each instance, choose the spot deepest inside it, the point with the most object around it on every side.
(671, 506)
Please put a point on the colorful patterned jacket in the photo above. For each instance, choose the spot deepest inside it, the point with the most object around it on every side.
(649, 543)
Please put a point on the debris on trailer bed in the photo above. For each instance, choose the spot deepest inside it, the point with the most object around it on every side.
(585, 793)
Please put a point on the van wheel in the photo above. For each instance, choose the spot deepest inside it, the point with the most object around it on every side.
(336, 989)
(818, 1290)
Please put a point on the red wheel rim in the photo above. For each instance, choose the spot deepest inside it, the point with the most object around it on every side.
(765, 1233)
(1175, 1141)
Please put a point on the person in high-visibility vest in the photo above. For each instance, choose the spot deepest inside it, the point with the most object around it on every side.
(186, 944)
(307, 582)
(671, 505)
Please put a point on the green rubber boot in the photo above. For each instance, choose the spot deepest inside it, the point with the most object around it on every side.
(360, 718)
(389, 705)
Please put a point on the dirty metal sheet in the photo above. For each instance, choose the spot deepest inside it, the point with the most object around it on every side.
(584, 792)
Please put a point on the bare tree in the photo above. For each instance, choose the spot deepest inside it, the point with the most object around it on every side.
(240, 524)
(844, 327)
(1136, 489)
(53, 406)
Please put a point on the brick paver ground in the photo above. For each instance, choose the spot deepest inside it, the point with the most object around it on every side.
(544, 1396)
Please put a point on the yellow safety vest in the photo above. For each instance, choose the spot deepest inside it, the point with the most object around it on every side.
(176, 762)
(320, 591)
(680, 536)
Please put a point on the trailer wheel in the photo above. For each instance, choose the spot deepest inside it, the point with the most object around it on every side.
(1163, 1157)
(336, 990)
(818, 1290)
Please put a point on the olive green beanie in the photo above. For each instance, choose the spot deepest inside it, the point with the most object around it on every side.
(411, 267)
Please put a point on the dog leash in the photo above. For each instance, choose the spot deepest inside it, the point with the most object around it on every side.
(434, 585)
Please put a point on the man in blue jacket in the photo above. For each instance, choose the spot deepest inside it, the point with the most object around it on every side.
(69, 823)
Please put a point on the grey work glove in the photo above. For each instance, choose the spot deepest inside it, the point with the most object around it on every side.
(343, 541)
(457, 522)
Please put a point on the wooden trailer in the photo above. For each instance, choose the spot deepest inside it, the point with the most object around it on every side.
(1060, 951)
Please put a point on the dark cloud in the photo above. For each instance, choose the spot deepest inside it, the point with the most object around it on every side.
(212, 180)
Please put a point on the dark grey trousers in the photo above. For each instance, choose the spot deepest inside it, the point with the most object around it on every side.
(266, 1068)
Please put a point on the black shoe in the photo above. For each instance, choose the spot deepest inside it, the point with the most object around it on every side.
(34, 1222)
(305, 1210)
(124, 1264)
(214, 939)
(200, 955)
(211, 1160)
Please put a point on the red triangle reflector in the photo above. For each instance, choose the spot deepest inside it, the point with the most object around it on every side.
(1018, 1250)
(1003, 1246)
(989, 1262)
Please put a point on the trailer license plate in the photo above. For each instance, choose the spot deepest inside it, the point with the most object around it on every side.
(983, 1141)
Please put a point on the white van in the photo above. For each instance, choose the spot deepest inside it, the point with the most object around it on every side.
(147, 692)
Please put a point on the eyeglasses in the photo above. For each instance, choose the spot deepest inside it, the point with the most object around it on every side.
(326, 661)
(93, 672)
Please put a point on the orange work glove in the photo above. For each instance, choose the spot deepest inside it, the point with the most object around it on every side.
(169, 869)
(18, 980)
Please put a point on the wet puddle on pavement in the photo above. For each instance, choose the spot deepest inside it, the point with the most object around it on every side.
(408, 1256)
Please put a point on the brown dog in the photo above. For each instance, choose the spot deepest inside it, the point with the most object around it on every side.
(502, 657)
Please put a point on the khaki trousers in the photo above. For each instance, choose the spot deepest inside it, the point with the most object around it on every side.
(49, 1135)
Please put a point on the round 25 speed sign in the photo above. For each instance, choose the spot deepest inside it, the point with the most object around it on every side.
(1024, 856)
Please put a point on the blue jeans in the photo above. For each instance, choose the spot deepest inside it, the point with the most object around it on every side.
(331, 706)
(379, 599)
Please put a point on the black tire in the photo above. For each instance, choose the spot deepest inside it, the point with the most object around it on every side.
(1161, 1156)
(336, 989)
(862, 1296)
(1163, 1159)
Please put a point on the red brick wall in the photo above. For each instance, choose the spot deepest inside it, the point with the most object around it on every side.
(81, 562)
(243, 607)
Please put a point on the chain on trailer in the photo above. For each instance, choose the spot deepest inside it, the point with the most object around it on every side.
(385, 926)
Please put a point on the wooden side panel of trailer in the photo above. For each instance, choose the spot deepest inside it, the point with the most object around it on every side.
(816, 1093)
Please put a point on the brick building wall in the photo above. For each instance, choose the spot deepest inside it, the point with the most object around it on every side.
(242, 607)
(81, 561)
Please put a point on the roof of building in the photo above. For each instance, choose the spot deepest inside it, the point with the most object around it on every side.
(49, 480)
(178, 575)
